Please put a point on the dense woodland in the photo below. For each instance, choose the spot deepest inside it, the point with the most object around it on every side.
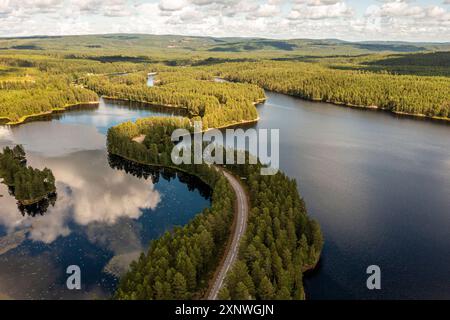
(35, 83)
(15, 104)
(216, 104)
(32, 85)
(34, 92)
(281, 241)
(179, 264)
(28, 185)
(280, 244)
(429, 96)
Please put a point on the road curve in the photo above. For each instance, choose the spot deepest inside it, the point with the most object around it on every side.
(240, 225)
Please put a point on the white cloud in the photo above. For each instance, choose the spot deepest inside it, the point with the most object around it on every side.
(379, 20)
(30, 6)
(320, 9)
(5, 133)
(215, 2)
(110, 8)
(87, 195)
(266, 10)
(406, 20)
(5, 7)
(172, 5)
(397, 9)
(321, 2)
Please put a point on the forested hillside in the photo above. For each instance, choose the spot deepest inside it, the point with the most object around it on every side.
(427, 96)
(141, 45)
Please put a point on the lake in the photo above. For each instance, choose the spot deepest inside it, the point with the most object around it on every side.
(378, 184)
(106, 211)
(380, 187)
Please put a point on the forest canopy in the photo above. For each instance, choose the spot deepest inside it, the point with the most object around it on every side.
(416, 95)
(280, 243)
(38, 82)
(29, 185)
(32, 85)
(216, 104)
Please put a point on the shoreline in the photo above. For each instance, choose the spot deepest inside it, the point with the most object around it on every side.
(29, 202)
(400, 113)
(349, 105)
(36, 200)
(23, 119)
(160, 166)
(236, 123)
(7, 121)
(377, 108)
(209, 277)
(146, 102)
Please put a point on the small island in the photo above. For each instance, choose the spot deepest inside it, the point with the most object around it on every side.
(27, 184)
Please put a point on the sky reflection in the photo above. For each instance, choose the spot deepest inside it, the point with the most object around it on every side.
(87, 194)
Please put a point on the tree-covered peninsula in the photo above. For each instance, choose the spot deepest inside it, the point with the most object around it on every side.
(32, 85)
(38, 94)
(178, 265)
(215, 104)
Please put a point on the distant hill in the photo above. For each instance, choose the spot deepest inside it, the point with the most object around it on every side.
(143, 44)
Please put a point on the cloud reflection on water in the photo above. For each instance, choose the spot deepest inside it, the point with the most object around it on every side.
(55, 138)
(87, 194)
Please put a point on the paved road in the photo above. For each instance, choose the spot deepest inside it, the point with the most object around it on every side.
(239, 230)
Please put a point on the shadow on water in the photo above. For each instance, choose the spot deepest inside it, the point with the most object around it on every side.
(86, 109)
(58, 114)
(155, 173)
(140, 106)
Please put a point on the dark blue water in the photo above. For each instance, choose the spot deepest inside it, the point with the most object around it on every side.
(380, 187)
(106, 210)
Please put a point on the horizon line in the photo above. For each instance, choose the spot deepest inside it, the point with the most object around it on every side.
(215, 37)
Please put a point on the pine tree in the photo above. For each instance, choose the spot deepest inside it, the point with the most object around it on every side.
(179, 287)
(241, 292)
(224, 294)
(265, 290)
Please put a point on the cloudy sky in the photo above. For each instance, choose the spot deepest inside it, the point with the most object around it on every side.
(409, 20)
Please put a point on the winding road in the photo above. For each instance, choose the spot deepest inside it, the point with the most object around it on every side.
(240, 225)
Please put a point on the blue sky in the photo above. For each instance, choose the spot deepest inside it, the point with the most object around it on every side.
(408, 20)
